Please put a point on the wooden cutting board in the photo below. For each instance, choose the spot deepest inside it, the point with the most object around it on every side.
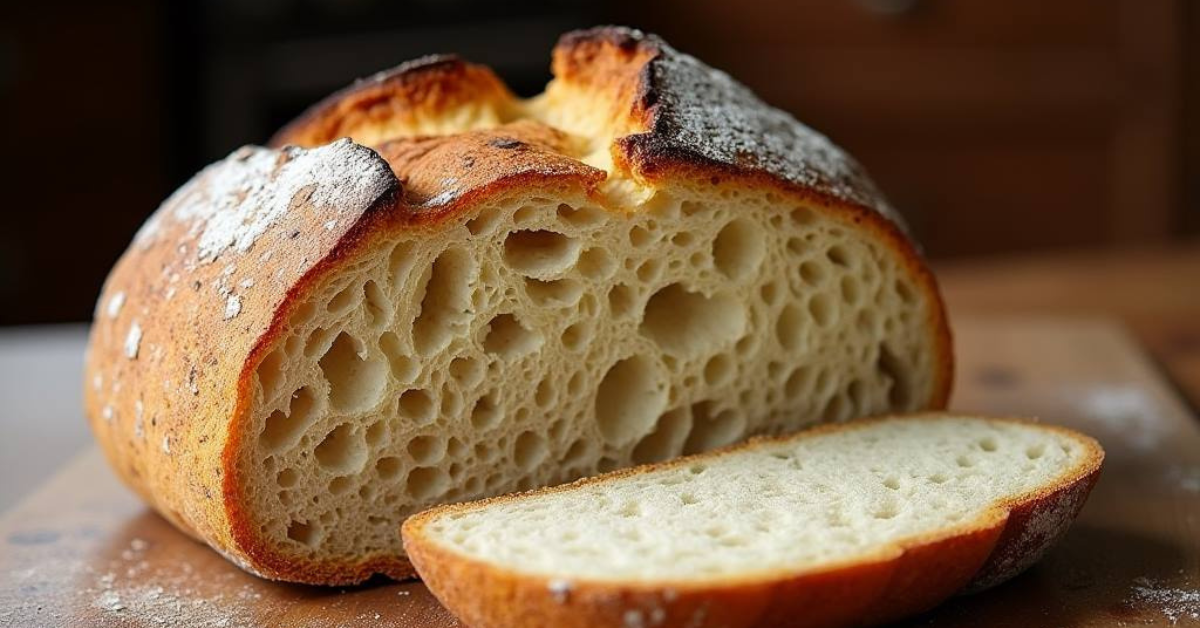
(83, 551)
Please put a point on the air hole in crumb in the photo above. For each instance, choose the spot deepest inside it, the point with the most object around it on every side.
(544, 395)
(356, 378)
(892, 483)
(666, 441)
(508, 338)
(803, 216)
(905, 292)
(812, 273)
(649, 271)
(540, 253)
(340, 485)
(445, 301)
(576, 335)
(343, 300)
(719, 370)
(484, 223)
(738, 249)
(988, 444)
(965, 462)
(427, 482)
(581, 217)
(629, 399)
(1034, 452)
(621, 300)
(343, 451)
(789, 328)
(597, 264)
(689, 323)
(389, 468)
(467, 371)
(712, 429)
(485, 414)
(303, 533)
(553, 293)
(416, 406)
(400, 262)
(426, 450)
(838, 255)
(639, 236)
(378, 307)
(530, 450)
(404, 368)
(284, 429)
(376, 434)
(271, 373)
(576, 452)
(287, 478)
(822, 309)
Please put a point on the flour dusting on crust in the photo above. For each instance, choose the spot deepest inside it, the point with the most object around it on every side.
(704, 112)
(230, 204)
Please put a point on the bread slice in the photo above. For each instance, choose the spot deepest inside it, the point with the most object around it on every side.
(837, 526)
(476, 294)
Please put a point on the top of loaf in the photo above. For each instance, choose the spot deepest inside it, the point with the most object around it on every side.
(697, 114)
(666, 112)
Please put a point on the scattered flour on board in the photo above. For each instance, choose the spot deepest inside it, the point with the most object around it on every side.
(1174, 603)
(1128, 412)
(132, 591)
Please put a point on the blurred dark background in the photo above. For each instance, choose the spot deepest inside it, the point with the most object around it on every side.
(998, 127)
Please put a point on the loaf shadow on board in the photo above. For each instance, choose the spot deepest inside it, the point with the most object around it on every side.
(429, 290)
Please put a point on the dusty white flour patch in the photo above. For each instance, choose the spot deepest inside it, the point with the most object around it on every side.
(114, 304)
(233, 306)
(133, 340)
(1174, 603)
(1127, 412)
(166, 445)
(134, 593)
(107, 413)
(232, 203)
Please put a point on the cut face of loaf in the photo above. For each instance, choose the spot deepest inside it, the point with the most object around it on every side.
(477, 294)
(894, 515)
(541, 340)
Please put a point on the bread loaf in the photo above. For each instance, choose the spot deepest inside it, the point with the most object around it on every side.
(430, 290)
(847, 525)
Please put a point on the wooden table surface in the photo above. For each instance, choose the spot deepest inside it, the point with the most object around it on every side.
(82, 551)
(1154, 291)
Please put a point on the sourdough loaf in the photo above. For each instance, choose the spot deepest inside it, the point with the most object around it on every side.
(429, 290)
(845, 525)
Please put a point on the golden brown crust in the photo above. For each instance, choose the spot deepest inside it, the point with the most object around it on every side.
(899, 581)
(212, 278)
(402, 97)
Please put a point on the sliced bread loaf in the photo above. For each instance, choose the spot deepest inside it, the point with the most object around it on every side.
(477, 294)
(837, 526)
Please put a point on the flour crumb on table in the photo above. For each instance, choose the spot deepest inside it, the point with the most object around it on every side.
(1174, 603)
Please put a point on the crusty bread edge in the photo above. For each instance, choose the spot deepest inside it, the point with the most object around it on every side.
(905, 578)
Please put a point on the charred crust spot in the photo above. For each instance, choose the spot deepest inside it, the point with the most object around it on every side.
(506, 143)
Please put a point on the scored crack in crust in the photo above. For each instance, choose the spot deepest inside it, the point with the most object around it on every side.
(475, 293)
